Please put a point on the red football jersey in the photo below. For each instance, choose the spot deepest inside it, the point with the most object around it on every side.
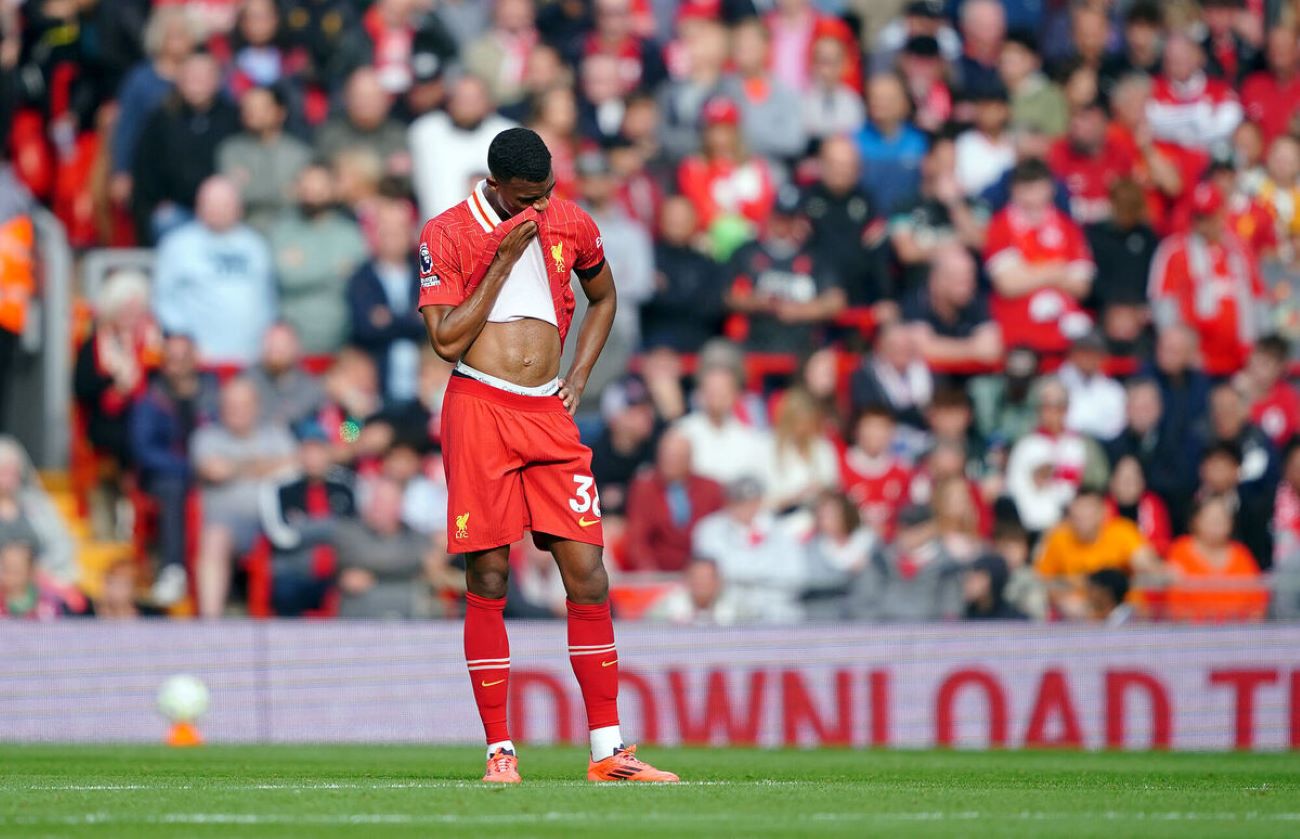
(1152, 521)
(1210, 304)
(1190, 163)
(1088, 177)
(878, 486)
(1271, 103)
(1048, 319)
(1247, 217)
(721, 187)
(456, 248)
(1278, 413)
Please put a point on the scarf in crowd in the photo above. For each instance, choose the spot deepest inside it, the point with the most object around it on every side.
(1200, 267)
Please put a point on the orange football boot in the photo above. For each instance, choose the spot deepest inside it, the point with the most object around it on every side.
(502, 768)
(624, 765)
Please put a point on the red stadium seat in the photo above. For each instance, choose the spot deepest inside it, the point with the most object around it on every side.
(261, 585)
(73, 202)
(631, 599)
(861, 318)
(317, 365)
(32, 157)
(257, 565)
(224, 372)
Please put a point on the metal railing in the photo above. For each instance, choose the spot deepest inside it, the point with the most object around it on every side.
(98, 264)
(41, 401)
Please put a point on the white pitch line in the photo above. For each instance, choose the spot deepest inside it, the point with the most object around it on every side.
(584, 816)
(380, 785)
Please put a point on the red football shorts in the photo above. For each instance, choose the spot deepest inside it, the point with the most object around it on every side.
(513, 463)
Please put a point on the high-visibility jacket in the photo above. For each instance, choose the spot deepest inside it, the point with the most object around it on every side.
(17, 273)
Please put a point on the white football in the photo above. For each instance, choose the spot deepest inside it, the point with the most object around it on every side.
(183, 698)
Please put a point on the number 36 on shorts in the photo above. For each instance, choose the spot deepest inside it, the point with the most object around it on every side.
(585, 497)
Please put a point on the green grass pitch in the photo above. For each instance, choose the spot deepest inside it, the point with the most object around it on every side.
(410, 791)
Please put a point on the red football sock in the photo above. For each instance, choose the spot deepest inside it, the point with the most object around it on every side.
(487, 654)
(595, 661)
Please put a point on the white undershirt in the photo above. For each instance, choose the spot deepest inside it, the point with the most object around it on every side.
(527, 291)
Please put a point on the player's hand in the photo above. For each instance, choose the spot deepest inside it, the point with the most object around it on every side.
(515, 242)
(571, 394)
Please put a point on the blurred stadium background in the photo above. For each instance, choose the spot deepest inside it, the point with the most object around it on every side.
(950, 403)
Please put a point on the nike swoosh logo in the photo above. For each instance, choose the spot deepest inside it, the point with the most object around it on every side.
(490, 684)
(609, 663)
(582, 522)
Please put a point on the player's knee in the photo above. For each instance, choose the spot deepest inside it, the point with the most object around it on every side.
(489, 583)
(590, 587)
(486, 574)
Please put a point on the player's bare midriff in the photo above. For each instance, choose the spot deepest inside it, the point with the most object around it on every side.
(525, 352)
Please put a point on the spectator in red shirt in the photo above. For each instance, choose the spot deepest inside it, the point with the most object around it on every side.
(1187, 107)
(663, 506)
(1089, 162)
(1248, 217)
(1208, 279)
(872, 475)
(1272, 97)
(724, 179)
(640, 65)
(1163, 169)
(1040, 266)
(1274, 405)
(1129, 498)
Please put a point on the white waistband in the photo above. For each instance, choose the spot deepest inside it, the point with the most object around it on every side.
(549, 389)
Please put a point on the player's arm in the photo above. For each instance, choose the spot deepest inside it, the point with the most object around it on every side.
(602, 302)
(453, 328)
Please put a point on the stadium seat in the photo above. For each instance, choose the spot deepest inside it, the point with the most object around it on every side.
(32, 157)
(257, 565)
(634, 594)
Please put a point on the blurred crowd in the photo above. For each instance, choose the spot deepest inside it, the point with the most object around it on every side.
(979, 309)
